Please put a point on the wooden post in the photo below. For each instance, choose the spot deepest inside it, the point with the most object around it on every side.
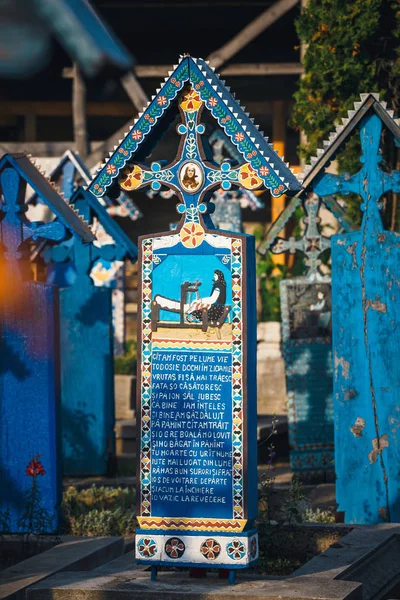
(279, 141)
(79, 112)
(30, 127)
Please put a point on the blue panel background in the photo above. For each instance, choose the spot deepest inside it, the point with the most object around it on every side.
(195, 451)
(250, 385)
(29, 398)
(87, 383)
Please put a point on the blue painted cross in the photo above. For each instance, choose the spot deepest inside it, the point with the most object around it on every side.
(312, 243)
(371, 183)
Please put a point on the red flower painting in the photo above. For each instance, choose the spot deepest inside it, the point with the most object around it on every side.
(35, 467)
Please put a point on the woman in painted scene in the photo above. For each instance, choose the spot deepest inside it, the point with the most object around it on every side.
(215, 303)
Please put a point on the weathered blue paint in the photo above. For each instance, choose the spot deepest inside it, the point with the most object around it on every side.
(366, 339)
(87, 367)
(29, 348)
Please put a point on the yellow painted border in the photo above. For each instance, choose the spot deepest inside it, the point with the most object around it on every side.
(217, 525)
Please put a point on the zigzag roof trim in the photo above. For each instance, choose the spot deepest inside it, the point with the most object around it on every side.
(50, 195)
(337, 137)
(109, 224)
(254, 148)
(84, 172)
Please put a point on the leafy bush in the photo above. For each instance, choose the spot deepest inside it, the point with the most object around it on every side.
(126, 364)
(99, 511)
(318, 516)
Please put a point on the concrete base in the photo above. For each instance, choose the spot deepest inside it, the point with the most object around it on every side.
(197, 549)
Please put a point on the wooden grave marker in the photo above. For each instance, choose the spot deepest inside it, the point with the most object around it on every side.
(197, 473)
(68, 174)
(87, 364)
(29, 349)
(307, 339)
(365, 322)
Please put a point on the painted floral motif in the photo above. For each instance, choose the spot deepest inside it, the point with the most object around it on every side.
(174, 548)
(264, 171)
(191, 101)
(212, 101)
(131, 178)
(236, 550)
(248, 177)
(136, 134)
(192, 235)
(147, 547)
(239, 136)
(162, 101)
(210, 549)
(111, 169)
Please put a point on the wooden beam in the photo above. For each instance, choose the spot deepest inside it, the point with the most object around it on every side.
(64, 109)
(250, 32)
(30, 127)
(102, 151)
(79, 112)
(131, 86)
(279, 141)
(235, 70)
(41, 148)
(134, 91)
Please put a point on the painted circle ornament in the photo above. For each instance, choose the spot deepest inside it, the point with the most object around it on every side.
(192, 235)
(236, 550)
(174, 548)
(147, 547)
(210, 549)
(131, 178)
(191, 177)
(191, 101)
(248, 177)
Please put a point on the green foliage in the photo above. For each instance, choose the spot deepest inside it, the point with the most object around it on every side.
(352, 47)
(126, 364)
(269, 275)
(318, 516)
(99, 511)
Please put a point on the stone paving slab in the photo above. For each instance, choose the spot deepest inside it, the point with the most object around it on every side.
(368, 554)
(74, 554)
(135, 584)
